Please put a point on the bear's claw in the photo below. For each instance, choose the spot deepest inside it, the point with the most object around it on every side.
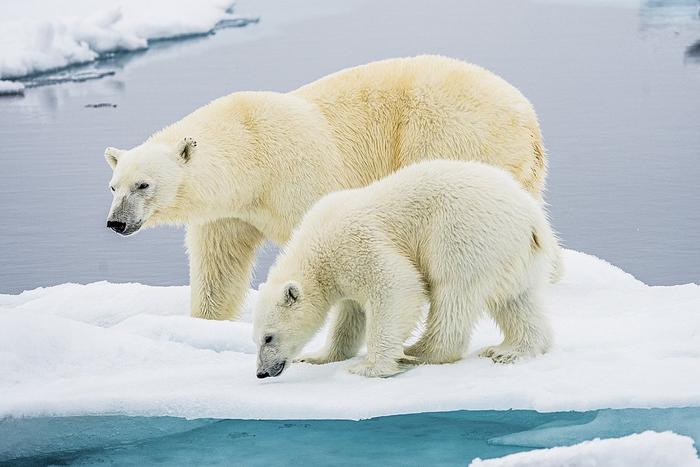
(501, 354)
(409, 360)
(314, 359)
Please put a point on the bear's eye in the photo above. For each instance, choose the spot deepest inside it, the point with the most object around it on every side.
(111, 188)
(143, 186)
(268, 339)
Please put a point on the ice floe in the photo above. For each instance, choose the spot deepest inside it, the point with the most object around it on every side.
(37, 36)
(648, 449)
(132, 349)
(11, 88)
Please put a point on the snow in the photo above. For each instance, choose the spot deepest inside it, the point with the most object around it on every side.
(648, 449)
(132, 349)
(37, 36)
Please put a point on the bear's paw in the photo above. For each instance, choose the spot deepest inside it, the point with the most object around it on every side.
(501, 354)
(376, 370)
(317, 359)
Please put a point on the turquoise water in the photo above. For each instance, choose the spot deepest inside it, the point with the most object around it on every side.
(436, 439)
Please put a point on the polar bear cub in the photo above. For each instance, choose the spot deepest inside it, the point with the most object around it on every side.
(463, 236)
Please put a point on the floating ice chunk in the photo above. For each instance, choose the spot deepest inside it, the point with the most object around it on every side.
(648, 449)
(9, 88)
(37, 37)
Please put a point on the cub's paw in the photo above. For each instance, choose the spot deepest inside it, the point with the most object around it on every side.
(415, 350)
(409, 360)
(420, 356)
(416, 355)
(315, 359)
(501, 354)
(374, 370)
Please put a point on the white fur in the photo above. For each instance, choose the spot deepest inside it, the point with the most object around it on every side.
(262, 158)
(462, 235)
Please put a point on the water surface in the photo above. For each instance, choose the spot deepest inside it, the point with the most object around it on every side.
(617, 90)
(436, 439)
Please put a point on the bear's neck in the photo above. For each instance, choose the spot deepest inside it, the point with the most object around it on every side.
(261, 157)
(217, 182)
(318, 310)
(320, 295)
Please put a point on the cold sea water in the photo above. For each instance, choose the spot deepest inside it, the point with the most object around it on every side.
(436, 439)
(617, 89)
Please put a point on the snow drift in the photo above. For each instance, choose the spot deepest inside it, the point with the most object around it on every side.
(37, 36)
(648, 449)
(132, 349)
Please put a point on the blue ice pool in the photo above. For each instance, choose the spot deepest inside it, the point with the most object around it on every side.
(448, 438)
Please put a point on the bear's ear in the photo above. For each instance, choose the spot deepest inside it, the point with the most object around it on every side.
(290, 294)
(185, 149)
(112, 156)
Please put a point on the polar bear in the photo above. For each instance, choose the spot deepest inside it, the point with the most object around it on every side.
(463, 236)
(247, 166)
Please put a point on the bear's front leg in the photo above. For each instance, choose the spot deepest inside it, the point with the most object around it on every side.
(221, 259)
(391, 317)
(346, 335)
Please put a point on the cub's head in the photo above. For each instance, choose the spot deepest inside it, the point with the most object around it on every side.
(145, 181)
(285, 320)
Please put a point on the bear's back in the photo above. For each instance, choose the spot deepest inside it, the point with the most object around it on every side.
(407, 75)
(430, 195)
(392, 113)
(445, 192)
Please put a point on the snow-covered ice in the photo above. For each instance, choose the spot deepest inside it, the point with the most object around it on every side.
(648, 449)
(37, 36)
(132, 349)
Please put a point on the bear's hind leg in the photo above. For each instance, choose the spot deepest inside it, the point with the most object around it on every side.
(525, 329)
(346, 335)
(450, 323)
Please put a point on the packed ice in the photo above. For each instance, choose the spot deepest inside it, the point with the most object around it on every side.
(38, 36)
(132, 349)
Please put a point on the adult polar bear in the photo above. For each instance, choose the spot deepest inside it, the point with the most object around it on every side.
(247, 166)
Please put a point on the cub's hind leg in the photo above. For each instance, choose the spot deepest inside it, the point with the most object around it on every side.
(526, 331)
(451, 319)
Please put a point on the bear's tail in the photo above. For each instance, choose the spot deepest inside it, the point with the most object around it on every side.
(545, 240)
(557, 271)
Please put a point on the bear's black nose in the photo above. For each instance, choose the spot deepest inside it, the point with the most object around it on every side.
(117, 226)
(263, 374)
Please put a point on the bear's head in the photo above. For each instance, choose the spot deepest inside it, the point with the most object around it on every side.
(145, 181)
(285, 320)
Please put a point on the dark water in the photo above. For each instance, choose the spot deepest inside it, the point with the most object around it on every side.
(436, 439)
(617, 90)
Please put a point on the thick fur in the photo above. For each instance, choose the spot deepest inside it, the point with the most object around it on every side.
(464, 236)
(247, 166)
